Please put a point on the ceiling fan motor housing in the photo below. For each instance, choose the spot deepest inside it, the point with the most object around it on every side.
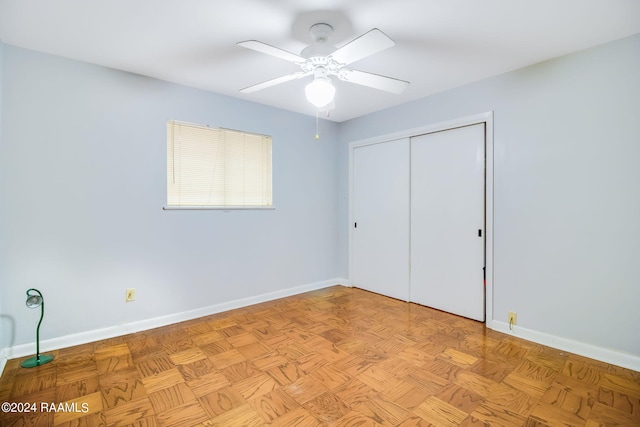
(317, 53)
(320, 33)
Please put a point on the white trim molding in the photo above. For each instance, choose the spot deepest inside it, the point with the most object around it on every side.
(52, 344)
(603, 354)
(3, 359)
(606, 355)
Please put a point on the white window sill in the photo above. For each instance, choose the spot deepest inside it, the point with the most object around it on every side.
(217, 208)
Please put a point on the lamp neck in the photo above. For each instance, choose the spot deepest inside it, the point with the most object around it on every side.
(38, 331)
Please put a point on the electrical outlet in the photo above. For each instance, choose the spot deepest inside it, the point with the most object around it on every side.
(131, 294)
(512, 318)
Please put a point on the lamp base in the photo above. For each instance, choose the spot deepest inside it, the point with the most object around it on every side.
(32, 362)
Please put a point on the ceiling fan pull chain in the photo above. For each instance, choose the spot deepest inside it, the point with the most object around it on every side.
(317, 130)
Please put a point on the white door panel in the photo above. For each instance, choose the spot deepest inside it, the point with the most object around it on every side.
(381, 218)
(447, 216)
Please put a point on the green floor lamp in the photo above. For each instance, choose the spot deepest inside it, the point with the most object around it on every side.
(35, 300)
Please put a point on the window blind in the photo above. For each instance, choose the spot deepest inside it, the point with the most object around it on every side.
(213, 167)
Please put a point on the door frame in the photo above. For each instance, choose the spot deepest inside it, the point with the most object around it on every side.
(487, 119)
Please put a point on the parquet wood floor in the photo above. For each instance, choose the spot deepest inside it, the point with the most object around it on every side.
(338, 356)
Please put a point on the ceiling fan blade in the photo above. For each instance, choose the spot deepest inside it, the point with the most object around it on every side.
(271, 50)
(274, 82)
(375, 81)
(367, 44)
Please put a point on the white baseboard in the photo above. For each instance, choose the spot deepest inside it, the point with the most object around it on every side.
(3, 359)
(143, 325)
(345, 282)
(603, 354)
(613, 357)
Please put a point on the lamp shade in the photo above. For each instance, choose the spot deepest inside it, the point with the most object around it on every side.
(320, 91)
(34, 301)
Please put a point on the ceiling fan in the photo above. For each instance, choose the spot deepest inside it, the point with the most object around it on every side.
(322, 60)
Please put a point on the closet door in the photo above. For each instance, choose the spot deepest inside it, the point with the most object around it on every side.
(381, 218)
(447, 220)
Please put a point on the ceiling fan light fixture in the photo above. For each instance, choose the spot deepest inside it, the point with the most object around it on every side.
(322, 60)
(320, 92)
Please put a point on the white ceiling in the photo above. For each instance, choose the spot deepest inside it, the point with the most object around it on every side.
(440, 44)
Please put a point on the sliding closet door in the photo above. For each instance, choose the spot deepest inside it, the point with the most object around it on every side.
(447, 220)
(381, 218)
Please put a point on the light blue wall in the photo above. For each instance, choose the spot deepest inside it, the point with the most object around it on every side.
(83, 183)
(566, 189)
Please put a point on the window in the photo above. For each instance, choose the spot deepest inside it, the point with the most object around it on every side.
(217, 168)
